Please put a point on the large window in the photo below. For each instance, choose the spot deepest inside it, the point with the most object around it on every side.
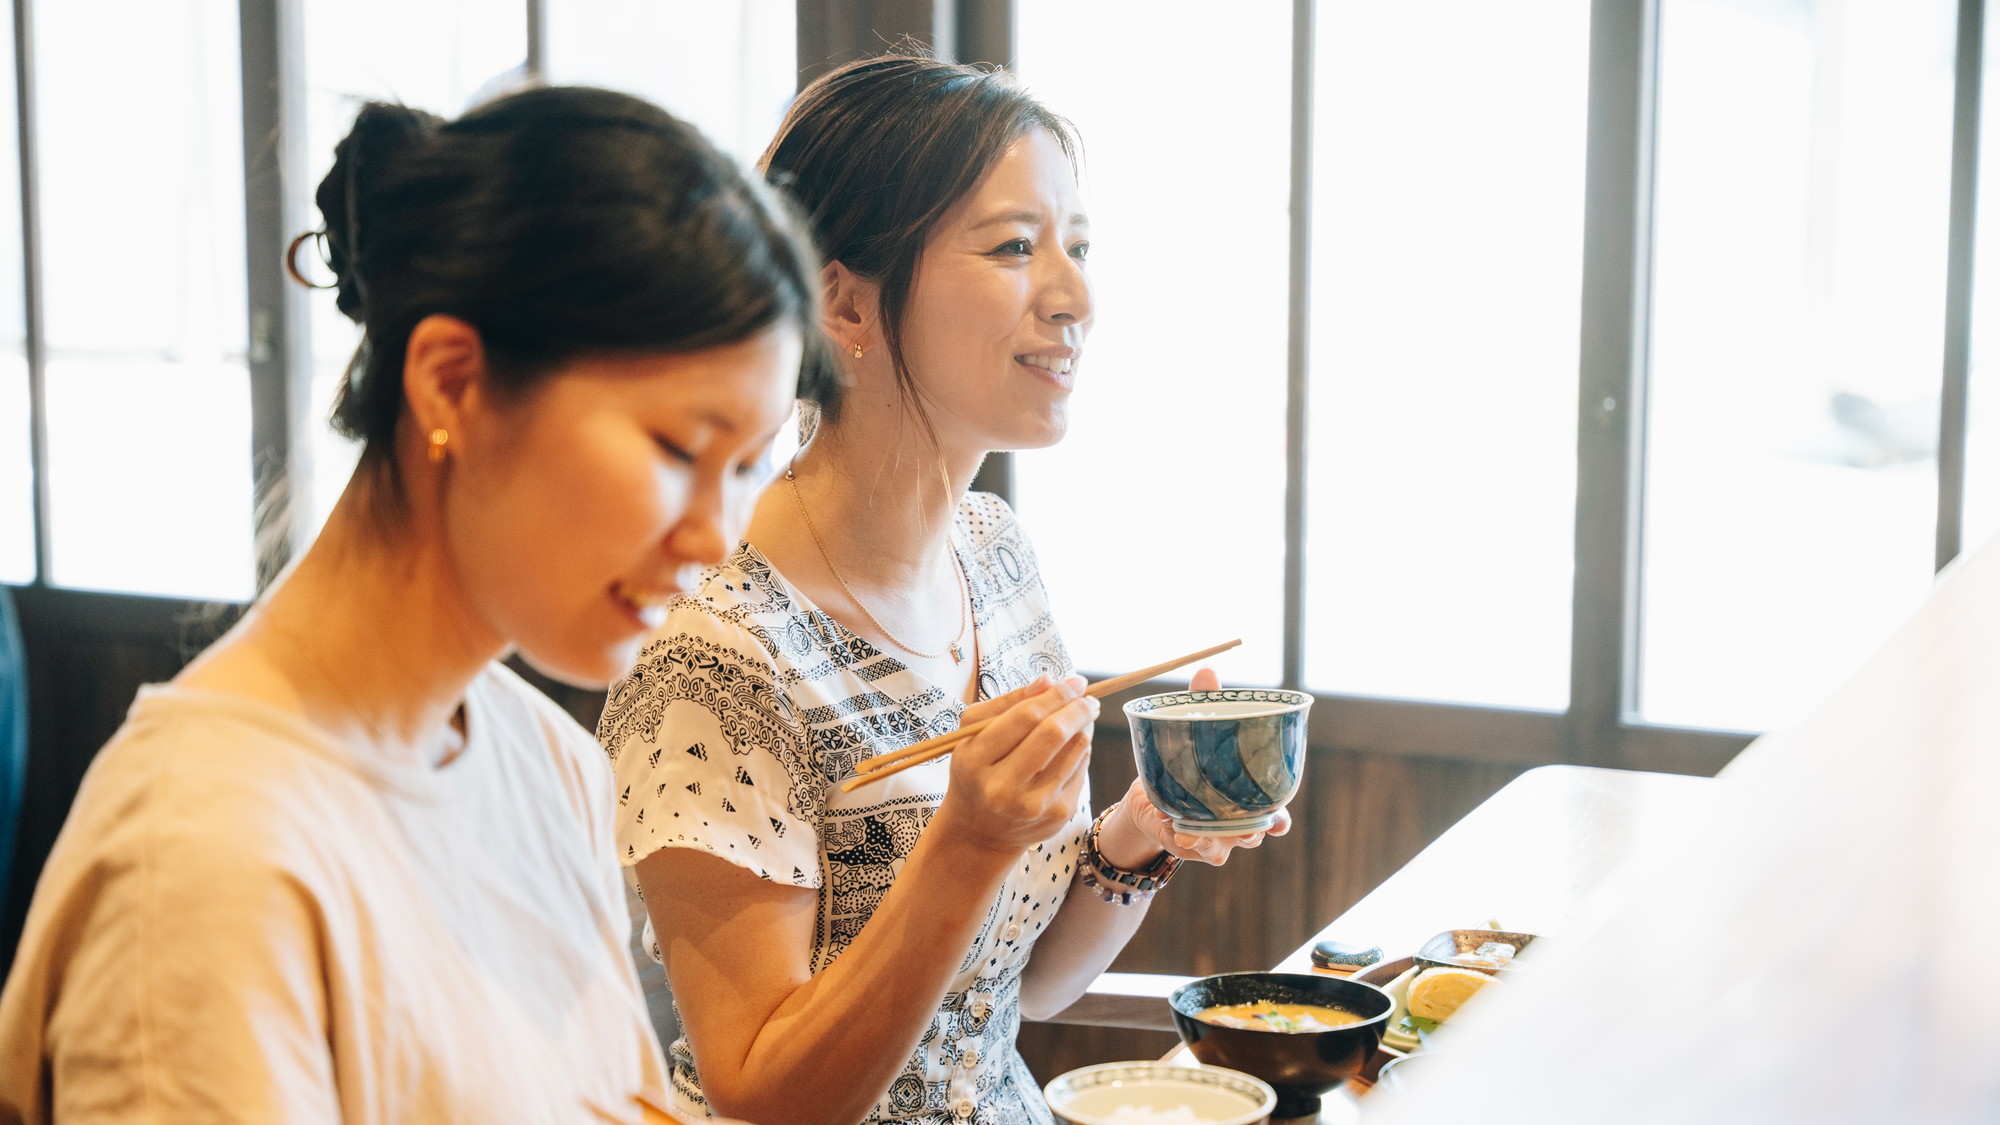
(1804, 162)
(138, 366)
(725, 65)
(1182, 384)
(140, 150)
(1782, 226)
(1446, 255)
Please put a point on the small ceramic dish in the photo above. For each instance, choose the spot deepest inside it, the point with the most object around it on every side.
(1395, 1074)
(1108, 1092)
(1398, 988)
(1459, 949)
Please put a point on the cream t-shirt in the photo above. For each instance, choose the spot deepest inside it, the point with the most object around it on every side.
(244, 922)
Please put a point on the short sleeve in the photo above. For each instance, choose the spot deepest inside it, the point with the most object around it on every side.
(707, 753)
(181, 982)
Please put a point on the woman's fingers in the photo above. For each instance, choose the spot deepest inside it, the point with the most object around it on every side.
(1049, 751)
(1215, 849)
(1021, 727)
(1205, 679)
(987, 708)
(1187, 845)
(1066, 763)
(1022, 776)
(1071, 793)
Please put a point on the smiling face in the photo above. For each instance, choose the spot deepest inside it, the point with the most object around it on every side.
(1000, 303)
(577, 508)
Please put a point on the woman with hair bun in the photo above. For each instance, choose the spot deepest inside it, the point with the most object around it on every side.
(345, 867)
(868, 956)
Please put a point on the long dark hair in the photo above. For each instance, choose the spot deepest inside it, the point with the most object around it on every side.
(558, 222)
(876, 152)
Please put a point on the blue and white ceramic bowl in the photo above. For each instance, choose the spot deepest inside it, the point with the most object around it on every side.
(1220, 762)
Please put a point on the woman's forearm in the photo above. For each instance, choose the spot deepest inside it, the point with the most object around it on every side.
(792, 1045)
(831, 1046)
(1081, 943)
(1088, 932)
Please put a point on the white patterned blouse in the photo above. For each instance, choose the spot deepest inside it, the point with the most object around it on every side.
(731, 735)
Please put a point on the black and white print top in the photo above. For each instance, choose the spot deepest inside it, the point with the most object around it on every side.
(745, 712)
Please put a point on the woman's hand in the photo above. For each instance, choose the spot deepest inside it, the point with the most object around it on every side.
(1018, 780)
(1158, 830)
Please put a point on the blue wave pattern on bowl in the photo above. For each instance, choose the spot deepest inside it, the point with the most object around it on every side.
(1223, 772)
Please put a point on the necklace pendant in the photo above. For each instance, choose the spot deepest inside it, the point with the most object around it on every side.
(957, 657)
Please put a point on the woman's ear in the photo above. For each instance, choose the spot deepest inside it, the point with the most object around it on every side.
(848, 313)
(444, 372)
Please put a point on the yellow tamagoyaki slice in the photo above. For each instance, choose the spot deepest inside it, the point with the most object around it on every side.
(1436, 993)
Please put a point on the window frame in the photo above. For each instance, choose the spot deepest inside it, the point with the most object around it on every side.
(33, 343)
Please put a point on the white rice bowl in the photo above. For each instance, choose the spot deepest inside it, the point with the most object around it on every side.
(1151, 1093)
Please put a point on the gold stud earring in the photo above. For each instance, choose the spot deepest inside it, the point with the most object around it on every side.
(857, 351)
(438, 440)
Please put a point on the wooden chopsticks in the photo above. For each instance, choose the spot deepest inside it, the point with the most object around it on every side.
(648, 1113)
(877, 768)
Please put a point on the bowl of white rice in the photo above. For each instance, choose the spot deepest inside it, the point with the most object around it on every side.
(1151, 1093)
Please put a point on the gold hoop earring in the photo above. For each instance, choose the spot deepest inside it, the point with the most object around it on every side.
(438, 440)
(857, 351)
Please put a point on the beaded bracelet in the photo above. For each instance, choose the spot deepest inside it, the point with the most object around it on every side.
(1117, 885)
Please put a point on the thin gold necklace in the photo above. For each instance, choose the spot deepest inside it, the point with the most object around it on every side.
(957, 655)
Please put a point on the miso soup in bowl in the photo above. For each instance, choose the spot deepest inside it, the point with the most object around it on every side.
(1321, 1030)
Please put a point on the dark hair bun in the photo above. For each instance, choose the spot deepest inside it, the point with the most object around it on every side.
(559, 222)
(381, 131)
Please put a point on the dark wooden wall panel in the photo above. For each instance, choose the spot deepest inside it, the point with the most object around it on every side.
(86, 660)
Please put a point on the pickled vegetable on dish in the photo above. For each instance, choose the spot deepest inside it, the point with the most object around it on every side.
(1489, 955)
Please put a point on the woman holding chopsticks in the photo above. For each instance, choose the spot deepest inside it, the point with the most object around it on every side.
(867, 954)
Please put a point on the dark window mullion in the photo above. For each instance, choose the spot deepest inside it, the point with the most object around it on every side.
(273, 58)
(1617, 256)
(1298, 343)
(537, 62)
(34, 346)
(987, 31)
(1952, 412)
